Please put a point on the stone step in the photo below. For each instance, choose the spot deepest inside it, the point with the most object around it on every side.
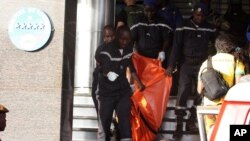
(85, 119)
(82, 135)
(91, 135)
(90, 124)
(85, 123)
(84, 111)
(86, 99)
(79, 135)
(83, 99)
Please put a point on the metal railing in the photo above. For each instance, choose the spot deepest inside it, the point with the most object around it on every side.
(201, 111)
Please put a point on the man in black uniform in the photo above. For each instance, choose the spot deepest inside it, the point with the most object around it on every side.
(152, 36)
(108, 36)
(114, 89)
(170, 13)
(190, 49)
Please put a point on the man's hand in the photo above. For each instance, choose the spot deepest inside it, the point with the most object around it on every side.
(161, 56)
(112, 76)
(169, 71)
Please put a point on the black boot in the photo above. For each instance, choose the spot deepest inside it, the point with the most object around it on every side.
(178, 131)
(180, 113)
(190, 125)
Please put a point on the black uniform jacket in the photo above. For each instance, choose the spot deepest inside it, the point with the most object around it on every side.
(191, 42)
(149, 37)
(111, 60)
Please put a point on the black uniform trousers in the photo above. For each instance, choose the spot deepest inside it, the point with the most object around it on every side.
(187, 84)
(122, 106)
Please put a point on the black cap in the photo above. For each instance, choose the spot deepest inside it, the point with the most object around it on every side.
(201, 7)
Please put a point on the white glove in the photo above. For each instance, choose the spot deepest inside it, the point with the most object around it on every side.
(112, 76)
(161, 56)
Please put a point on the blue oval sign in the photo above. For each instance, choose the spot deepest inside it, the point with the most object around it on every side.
(30, 29)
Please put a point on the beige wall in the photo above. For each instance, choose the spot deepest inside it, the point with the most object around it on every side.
(30, 82)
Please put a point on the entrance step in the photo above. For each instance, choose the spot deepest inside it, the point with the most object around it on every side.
(85, 124)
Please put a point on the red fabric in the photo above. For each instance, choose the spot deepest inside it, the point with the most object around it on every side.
(149, 106)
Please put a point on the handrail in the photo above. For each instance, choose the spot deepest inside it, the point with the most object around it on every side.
(201, 111)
